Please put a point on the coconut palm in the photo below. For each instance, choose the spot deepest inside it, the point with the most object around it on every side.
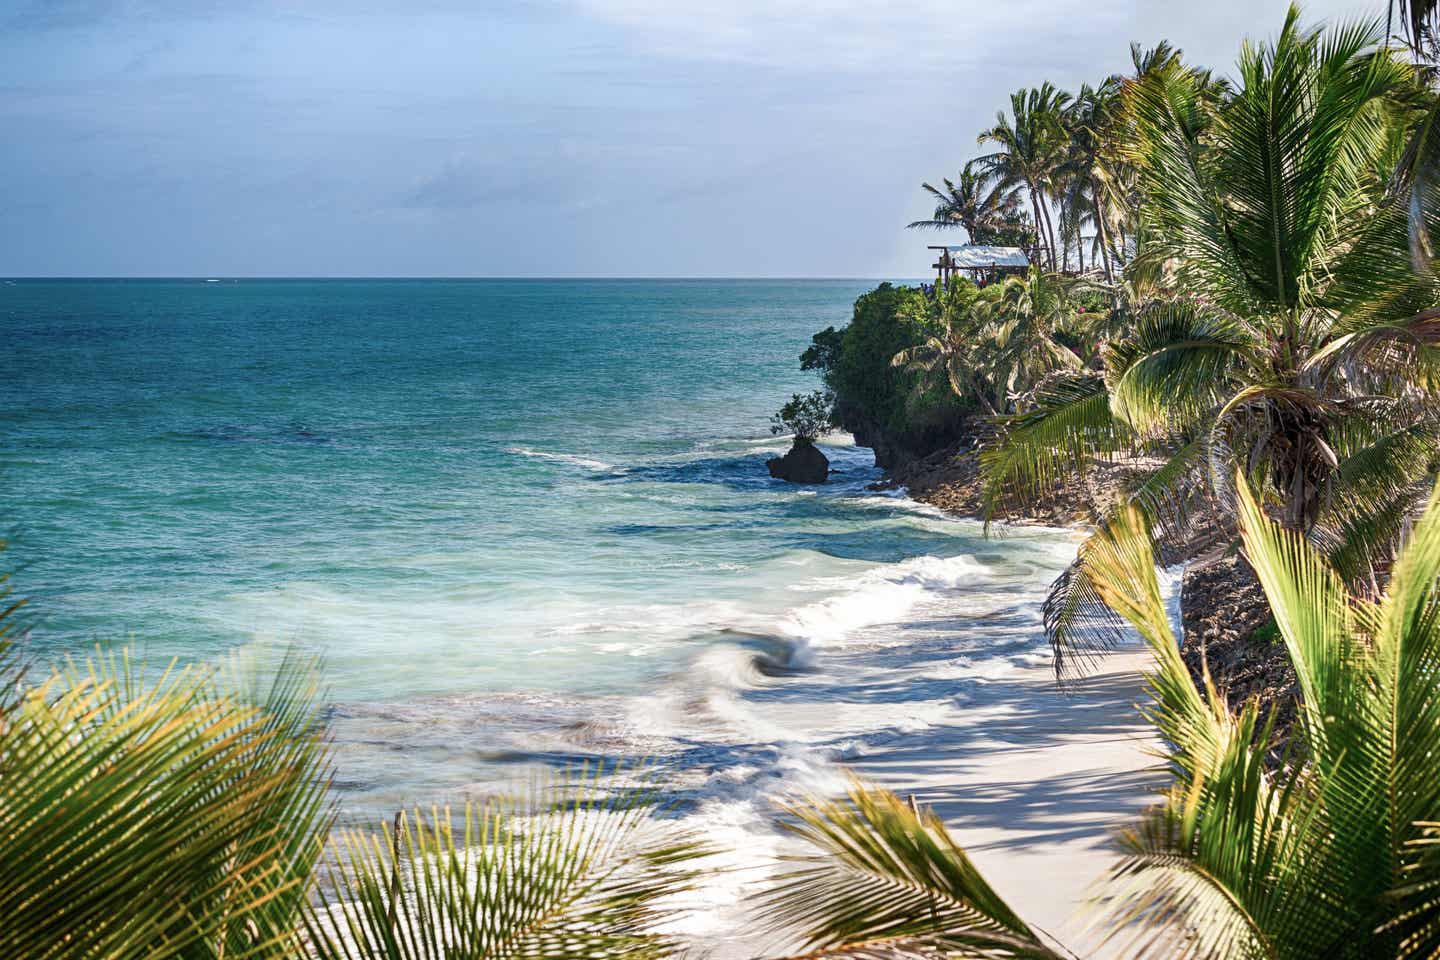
(996, 346)
(1334, 856)
(1029, 143)
(1304, 349)
(974, 202)
(1090, 125)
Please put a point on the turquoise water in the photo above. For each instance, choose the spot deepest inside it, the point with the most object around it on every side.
(518, 518)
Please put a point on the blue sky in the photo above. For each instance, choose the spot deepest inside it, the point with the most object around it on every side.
(542, 138)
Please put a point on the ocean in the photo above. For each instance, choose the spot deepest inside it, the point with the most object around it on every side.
(525, 523)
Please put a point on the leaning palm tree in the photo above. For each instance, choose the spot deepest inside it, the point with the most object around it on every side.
(1332, 856)
(1303, 348)
(974, 202)
(1029, 148)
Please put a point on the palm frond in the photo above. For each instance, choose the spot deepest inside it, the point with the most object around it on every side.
(1175, 368)
(583, 877)
(1370, 495)
(889, 881)
(1203, 877)
(1078, 625)
(157, 818)
(1068, 422)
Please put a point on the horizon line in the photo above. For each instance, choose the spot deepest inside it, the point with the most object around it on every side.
(206, 276)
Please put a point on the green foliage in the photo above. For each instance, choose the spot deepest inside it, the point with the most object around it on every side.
(1304, 349)
(855, 363)
(824, 351)
(580, 878)
(888, 881)
(173, 818)
(1327, 858)
(806, 416)
(979, 204)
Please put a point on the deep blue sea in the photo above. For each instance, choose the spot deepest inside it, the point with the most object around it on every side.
(521, 520)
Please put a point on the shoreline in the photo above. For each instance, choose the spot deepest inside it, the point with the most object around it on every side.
(1035, 780)
(1032, 779)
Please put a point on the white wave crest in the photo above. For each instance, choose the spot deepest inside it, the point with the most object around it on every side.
(879, 596)
(561, 458)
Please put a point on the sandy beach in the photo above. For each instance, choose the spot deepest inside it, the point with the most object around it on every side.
(1033, 782)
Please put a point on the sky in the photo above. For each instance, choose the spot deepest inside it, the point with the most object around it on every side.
(692, 138)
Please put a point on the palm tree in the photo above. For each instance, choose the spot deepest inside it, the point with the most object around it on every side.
(1028, 321)
(1304, 349)
(996, 346)
(1335, 856)
(974, 202)
(955, 353)
(1029, 146)
(1090, 126)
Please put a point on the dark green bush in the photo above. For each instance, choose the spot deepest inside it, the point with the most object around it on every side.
(807, 416)
(854, 363)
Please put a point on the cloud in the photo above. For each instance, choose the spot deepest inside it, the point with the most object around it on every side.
(899, 36)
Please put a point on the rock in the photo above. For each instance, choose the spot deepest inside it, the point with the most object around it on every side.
(803, 464)
(1229, 630)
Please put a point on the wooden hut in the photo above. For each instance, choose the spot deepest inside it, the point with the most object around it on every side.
(980, 262)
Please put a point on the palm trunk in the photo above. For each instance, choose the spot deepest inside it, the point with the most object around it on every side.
(1050, 231)
(1101, 232)
(1040, 242)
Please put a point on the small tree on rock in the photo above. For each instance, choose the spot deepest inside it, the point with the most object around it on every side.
(807, 416)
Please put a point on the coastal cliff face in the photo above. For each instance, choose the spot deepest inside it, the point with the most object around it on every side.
(896, 450)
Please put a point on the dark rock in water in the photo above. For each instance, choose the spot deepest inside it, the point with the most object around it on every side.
(803, 464)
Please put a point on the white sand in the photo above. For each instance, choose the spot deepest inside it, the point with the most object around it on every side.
(1033, 781)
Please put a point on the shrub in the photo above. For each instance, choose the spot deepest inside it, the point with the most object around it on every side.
(854, 363)
(806, 415)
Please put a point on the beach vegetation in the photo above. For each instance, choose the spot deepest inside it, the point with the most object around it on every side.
(563, 870)
(993, 346)
(805, 416)
(872, 396)
(1261, 301)
(1333, 855)
(180, 815)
